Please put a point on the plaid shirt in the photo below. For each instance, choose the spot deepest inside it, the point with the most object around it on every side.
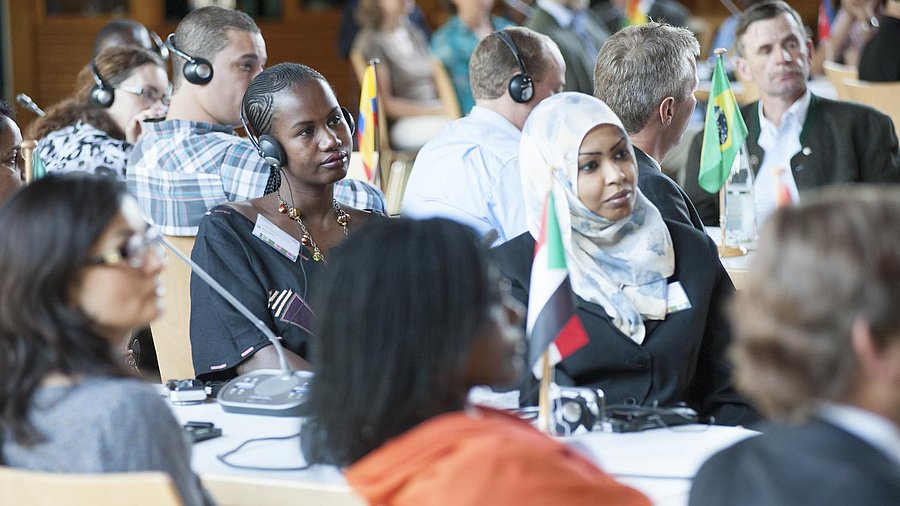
(180, 169)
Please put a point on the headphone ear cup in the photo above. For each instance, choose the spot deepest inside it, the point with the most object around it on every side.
(348, 117)
(102, 96)
(271, 151)
(521, 88)
(198, 71)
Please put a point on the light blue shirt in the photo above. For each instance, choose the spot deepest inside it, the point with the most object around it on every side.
(876, 430)
(470, 173)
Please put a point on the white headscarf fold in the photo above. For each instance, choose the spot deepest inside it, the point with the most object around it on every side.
(622, 265)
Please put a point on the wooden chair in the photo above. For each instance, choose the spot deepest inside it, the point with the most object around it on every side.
(882, 96)
(837, 74)
(33, 488)
(236, 490)
(171, 331)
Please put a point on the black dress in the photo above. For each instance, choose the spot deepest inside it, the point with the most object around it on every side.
(274, 288)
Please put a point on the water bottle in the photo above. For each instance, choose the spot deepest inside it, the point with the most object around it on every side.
(740, 211)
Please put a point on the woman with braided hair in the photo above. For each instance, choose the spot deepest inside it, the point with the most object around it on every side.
(269, 251)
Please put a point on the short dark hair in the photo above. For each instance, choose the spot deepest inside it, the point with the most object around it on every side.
(493, 63)
(820, 267)
(204, 32)
(258, 105)
(7, 110)
(760, 12)
(49, 228)
(122, 29)
(396, 316)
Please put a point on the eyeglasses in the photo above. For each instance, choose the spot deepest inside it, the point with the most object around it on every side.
(134, 252)
(149, 95)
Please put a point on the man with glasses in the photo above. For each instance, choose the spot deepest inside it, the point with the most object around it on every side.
(192, 161)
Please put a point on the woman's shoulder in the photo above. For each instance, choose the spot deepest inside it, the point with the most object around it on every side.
(689, 241)
(514, 252)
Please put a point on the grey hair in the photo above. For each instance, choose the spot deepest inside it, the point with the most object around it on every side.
(639, 66)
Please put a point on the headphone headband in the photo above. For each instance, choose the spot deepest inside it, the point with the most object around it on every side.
(511, 44)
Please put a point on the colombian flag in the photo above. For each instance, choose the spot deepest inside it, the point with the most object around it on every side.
(367, 123)
(723, 134)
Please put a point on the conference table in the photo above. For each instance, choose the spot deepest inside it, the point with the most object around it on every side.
(659, 462)
(738, 267)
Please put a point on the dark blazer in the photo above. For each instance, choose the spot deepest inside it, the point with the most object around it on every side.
(579, 60)
(842, 142)
(811, 464)
(665, 194)
(682, 358)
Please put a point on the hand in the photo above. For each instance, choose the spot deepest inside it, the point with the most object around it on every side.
(135, 126)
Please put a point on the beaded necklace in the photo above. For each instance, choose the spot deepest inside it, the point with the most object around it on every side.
(306, 239)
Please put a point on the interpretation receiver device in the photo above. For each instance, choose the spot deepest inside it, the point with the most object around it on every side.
(271, 392)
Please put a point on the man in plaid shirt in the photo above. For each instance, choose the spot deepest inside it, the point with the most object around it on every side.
(192, 161)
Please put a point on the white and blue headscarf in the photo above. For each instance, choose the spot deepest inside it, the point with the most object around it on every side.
(621, 265)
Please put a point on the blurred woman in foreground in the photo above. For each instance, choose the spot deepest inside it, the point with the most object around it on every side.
(396, 355)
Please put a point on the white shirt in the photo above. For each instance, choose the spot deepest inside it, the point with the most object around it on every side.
(780, 145)
(470, 173)
(871, 428)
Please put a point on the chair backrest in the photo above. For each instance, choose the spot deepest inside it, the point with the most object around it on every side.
(20, 487)
(171, 331)
(882, 96)
(235, 490)
(445, 89)
(837, 73)
(28, 157)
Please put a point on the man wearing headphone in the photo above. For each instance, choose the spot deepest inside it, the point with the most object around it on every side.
(192, 161)
(470, 171)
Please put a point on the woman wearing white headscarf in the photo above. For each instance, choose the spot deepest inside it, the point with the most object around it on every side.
(648, 291)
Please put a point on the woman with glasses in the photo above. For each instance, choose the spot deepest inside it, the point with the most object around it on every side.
(79, 270)
(95, 128)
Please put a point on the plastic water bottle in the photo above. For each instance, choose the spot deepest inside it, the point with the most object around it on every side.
(740, 211)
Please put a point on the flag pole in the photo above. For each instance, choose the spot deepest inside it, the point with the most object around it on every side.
(545, 408)
(725, 250)
(376, 128)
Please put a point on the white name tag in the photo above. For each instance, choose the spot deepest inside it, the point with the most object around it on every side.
(676, 298)
(278, 239)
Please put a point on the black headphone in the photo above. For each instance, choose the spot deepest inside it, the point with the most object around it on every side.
(159, 46)
(102, 94)
(521, 85)
(195, 70)
(270, 149)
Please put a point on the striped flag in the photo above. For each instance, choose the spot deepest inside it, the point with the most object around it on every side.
(551, 323)
(826, 18)
(723, 134)
(368, 121)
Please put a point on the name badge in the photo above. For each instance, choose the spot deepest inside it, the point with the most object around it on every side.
(278, 239)
(676, 298)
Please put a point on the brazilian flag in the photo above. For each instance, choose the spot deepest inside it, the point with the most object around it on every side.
(723, 134)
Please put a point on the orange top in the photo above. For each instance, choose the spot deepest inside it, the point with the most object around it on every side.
(489, 457)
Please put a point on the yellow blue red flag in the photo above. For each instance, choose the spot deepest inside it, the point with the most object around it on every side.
(368, 121)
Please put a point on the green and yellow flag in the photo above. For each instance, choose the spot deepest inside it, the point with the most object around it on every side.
(723, 135)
